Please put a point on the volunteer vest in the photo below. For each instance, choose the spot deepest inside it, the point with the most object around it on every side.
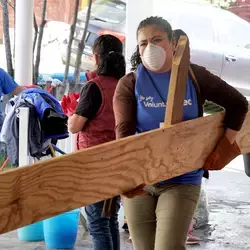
(101, 128)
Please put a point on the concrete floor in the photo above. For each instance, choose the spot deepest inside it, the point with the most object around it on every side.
(229, 227)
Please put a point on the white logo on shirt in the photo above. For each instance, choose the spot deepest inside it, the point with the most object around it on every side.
(149, 102)
(188, 102)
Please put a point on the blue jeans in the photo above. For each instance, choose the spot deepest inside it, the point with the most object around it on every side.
(104, 230)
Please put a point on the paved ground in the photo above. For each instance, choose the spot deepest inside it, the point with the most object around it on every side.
(229, 203)
(229, 227)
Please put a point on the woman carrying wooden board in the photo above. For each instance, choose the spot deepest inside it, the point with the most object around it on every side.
(160, 216)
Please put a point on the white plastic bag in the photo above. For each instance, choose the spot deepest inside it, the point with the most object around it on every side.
(201, 215)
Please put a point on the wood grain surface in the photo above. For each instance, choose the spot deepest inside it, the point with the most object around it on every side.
(178, 82)
(36, 192)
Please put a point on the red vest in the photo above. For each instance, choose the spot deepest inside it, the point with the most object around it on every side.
(91, 75)
(101, 128)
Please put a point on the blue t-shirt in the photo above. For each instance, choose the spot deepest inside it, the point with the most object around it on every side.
(151, 92)
(7, 84)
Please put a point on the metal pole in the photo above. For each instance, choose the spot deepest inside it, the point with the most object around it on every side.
(24, 42)
(24, 158)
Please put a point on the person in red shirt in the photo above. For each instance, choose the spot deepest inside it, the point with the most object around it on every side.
(94, 124)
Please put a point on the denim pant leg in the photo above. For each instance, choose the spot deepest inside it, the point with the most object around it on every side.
(114, 226)
(104, 230)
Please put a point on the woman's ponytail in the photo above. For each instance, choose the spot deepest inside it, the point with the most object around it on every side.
(112, 64)
(111, 61)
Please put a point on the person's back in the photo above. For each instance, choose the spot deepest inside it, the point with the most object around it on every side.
(100, 128)
(94, 124)
(93, 120)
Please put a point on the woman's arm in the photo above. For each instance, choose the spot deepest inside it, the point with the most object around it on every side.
(76, 123)
(214, 89)
(124, 105)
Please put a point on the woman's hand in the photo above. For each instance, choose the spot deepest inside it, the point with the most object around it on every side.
(225, 151)
(135, 192)
(231, 135)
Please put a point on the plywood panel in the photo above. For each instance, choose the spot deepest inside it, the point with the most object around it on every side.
(47, 188)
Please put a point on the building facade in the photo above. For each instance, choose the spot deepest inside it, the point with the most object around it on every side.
(241, 8)
(57, 10)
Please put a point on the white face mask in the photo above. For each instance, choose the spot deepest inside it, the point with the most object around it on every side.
(154, 56)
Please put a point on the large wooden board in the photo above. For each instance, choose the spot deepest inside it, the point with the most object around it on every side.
(47, 188)
(178, 81)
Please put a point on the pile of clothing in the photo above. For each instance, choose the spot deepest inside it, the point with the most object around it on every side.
(47, 122)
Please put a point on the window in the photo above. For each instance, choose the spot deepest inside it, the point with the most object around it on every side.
(112, 11)
(91, 39)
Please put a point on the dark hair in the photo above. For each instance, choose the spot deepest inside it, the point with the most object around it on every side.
(162, 24)
(135, 59)
(111, 60)
(177, 33)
